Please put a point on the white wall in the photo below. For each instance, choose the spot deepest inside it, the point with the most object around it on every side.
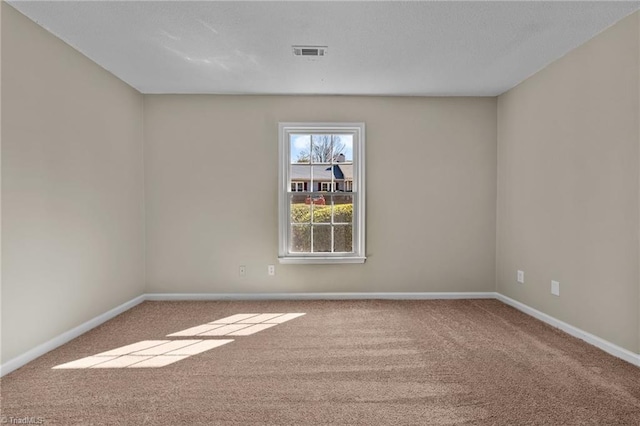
(568, 187)
(72, 187)
(211, 172)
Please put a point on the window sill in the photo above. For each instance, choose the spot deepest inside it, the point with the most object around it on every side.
(301, 260)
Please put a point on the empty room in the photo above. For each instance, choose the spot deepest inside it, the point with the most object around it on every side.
(305, 213)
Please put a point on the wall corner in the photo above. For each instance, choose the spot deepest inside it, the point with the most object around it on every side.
(638, 165)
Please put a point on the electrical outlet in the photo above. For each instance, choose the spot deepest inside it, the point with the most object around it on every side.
(520, 277)
(242, 270)
(271, 269)
(555, 288)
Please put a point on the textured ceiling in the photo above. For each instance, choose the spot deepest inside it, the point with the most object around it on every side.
(374, 48)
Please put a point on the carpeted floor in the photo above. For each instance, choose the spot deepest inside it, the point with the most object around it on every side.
(476, 362)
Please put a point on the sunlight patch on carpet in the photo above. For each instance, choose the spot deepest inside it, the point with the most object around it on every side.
(159, 353)
(237, 325)
(145, 354)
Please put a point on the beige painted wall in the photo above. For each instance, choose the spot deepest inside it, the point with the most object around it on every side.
(0, 180)
(211, 193)
(72, 187)
(568, 187)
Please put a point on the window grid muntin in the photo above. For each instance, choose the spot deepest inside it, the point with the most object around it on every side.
(312, 194)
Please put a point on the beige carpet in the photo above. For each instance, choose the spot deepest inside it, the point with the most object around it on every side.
(476, 362)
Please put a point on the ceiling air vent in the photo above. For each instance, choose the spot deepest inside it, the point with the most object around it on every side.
(310, 51)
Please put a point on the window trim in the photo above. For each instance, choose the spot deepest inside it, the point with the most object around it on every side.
(284, 185)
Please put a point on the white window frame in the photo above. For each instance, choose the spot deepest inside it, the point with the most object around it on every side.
(298, 184)
(358, 192)
(327, 187)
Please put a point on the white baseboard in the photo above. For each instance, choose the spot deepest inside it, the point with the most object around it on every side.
(596, 341)
(40, 350)
(67, 336)
(315, 296)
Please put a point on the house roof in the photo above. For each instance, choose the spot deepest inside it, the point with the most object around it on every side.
(321, 172)
(347, 170)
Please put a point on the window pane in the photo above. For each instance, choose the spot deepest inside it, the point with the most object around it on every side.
(322, 212)
(343, 148)
(299, 149)
(321, 149)
(343, 209)
(321, 238)
(343, 238)
(343, 174)
(300, 211)
(299, 174)
(300, 238)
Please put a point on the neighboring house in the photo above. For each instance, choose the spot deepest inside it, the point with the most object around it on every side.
(321, 177)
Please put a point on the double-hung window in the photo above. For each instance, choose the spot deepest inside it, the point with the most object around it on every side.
(321, 193)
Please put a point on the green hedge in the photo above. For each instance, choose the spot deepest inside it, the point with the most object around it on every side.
(301, 232)
(301, 213)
